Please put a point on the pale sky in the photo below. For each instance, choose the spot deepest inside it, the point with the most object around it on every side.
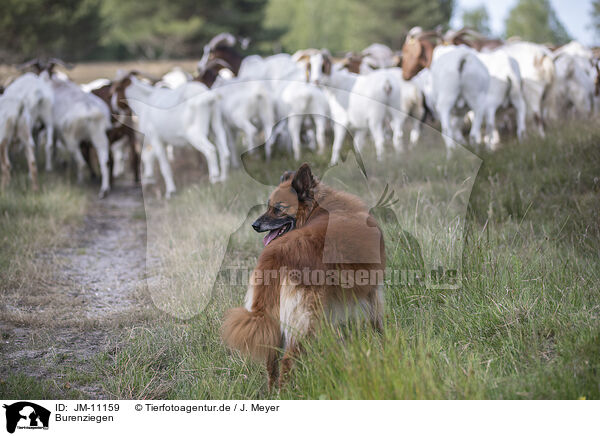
(574, 14)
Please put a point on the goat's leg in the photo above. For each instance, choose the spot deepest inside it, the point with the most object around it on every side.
(48, 146)
(4, 162)
(26, 138)
(273, 369)
(118, 157)
(204, 146)
(148, 157)
(536, 110)
(447, 136)
(165, 167)
(415, 132)
(492, 137)
(134, 156)
(339, 133)
(521, 113)
(360, 137)
(221, 142)
(321, 128)
(479, 102)
(294, 127)
(100, 142)
(231, 144)
(378, 134)
(397, 126)
(72, 145)
(250, 133)
(417, 112)
(266, 119)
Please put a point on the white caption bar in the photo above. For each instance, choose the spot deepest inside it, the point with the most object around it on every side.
(298, 417)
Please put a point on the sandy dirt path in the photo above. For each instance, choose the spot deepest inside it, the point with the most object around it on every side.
(98, 291)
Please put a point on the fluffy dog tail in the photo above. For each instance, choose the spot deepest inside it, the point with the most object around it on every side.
(252, 333)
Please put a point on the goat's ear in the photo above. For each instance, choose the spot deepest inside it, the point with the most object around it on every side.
(287, 175)
(303, 182)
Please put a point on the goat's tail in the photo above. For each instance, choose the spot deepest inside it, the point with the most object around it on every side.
(387, 87)
(252, 333)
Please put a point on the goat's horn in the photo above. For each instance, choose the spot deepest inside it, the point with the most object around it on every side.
(28, 64)
(56, 61)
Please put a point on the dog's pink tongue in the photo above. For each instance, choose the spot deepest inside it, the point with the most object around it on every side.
(270, 236)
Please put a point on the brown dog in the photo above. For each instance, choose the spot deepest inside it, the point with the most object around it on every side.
(324, 256)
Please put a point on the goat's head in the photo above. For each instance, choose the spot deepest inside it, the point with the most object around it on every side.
(417, 53)
(222, 47)
(319, 67)
(209, 74)
(352, 62)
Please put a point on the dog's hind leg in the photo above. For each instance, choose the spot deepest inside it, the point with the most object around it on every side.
(291, 352)
(273, 369)
(376, 302)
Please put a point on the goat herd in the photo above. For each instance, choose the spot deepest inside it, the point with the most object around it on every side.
(459, 78)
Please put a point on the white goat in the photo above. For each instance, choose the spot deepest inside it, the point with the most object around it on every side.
(362, 103)
(458, 82)
(537, 74)
(37, 95)
(298, 103)
(79, 116)
(274, 67)
(179, 117)
(572, 91)
(505, 89)
(378, 56)
(15, 124)
(294, 100)
(246, 107)
(411, 103)
(174, 78)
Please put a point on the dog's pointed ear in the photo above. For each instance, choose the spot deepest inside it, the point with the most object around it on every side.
(287, 175)
(303, 182)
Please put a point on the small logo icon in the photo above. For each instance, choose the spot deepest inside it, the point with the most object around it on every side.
(26, 415)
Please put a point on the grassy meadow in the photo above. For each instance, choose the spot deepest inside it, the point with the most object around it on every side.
(32, 222)
(525, 323)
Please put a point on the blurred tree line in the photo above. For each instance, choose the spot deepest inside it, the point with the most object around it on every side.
(344, 25)
(123, 29)
(529, 20)
(78, 30)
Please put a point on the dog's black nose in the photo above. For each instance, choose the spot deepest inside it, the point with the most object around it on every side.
(256, 226)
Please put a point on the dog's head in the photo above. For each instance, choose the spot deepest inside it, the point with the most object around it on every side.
(289, 205)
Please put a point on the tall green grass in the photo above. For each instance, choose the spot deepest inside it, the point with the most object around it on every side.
(524, 324)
